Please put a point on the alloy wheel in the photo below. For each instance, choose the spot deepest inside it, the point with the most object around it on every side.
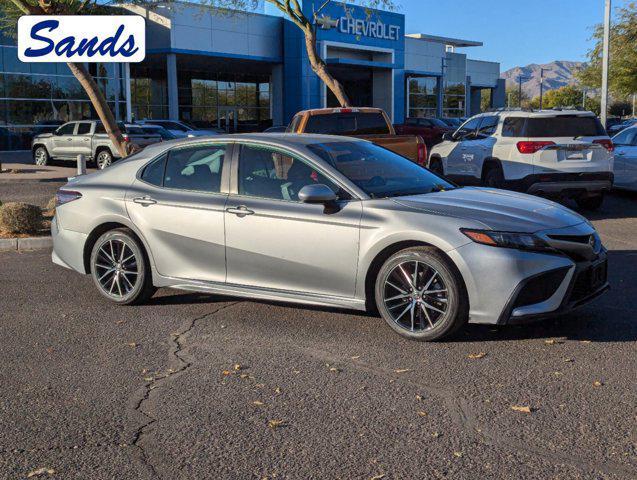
(40, 157)
(117, 268)
(103, 160)
(415, 296)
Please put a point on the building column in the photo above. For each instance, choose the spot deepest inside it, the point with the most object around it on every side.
(173, 92)
(441, 88)
(498, 94)
(467, 98)
(276, 95)
(127, 93)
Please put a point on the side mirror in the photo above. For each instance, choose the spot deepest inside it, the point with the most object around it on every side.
(317, 193)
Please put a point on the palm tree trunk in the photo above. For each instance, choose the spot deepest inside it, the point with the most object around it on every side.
(101, 106)
(320, 68)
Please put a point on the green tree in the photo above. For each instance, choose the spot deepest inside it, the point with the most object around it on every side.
(513, 98)
(622, 76)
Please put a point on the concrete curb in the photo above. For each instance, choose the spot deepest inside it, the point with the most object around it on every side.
(29, 243)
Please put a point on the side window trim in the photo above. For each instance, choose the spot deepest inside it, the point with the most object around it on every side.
(234, 175)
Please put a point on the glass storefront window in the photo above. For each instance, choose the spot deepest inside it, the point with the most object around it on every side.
(423, 97)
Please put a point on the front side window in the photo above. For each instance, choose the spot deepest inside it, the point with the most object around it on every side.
(488, 126)
(196, 168)
(269, 173)
(66, 129)
(379, 172)
(626, 138)
(470, 126)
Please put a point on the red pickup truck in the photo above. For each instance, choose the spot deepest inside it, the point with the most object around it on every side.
(430, 129)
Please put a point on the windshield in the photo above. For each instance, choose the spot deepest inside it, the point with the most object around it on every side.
(377, 171)
(354, 123)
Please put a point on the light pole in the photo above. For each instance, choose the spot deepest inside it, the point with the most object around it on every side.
(520, 78)
(541, 87)
(605, 57)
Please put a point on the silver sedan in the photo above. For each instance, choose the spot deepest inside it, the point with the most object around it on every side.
(328, 221)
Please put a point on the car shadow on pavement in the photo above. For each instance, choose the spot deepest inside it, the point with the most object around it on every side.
(617, 205)
(176, 297)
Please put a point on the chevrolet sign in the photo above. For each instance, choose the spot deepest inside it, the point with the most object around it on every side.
(358, 27)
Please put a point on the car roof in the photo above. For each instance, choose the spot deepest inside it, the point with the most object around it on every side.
(537, 113)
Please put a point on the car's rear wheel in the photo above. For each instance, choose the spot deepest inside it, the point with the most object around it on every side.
(494, 177)
(421, 295)
(104, 159)
(590, 203)
(40, 156)
(120, 268)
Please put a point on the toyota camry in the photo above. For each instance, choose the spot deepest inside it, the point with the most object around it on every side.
(323, 220)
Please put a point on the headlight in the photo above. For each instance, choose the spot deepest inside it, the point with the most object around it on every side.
(519, 241)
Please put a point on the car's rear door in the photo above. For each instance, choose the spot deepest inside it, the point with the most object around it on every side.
(82, 139)
(177, 202)
(275, 241)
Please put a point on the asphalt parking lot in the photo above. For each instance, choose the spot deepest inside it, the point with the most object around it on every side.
(197, 386)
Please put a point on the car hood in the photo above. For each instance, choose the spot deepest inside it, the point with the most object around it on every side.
(495, 209)
(40, 136)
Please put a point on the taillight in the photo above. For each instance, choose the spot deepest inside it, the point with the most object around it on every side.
(126, 138)
(66, 196)
(607, 143)
(422, 154)
(532, 147)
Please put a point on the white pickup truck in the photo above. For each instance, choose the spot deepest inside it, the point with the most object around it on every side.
(88, 138)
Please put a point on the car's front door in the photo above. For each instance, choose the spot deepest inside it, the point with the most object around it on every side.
(177, 203)
(275, 241)
(63, 140)
(464, 150)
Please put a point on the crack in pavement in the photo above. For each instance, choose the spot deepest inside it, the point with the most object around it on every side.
(144, 394)
(61, 448)
(465, 418)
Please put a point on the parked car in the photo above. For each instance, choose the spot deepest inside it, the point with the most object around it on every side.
(276, 129)
(615, 129)
(180, 129)
(552, 153)
(161, 131)
(340, 222)
(430, 130)
(88, 138)
(626, 158)
(371, 124)
(452, 122)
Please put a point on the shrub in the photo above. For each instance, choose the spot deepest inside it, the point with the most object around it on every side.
(16, 217)
(50, 205)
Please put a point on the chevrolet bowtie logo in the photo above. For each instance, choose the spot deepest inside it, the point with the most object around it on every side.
(326, 22)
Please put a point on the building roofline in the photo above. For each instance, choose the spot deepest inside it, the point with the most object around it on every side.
(456, 42)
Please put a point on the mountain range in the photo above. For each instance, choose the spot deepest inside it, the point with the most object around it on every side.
(556, 74)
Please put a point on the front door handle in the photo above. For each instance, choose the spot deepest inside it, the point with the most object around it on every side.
(240, 211)
(145, 201)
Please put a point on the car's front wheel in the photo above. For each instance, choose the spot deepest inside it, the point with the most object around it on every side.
(120, 268)
(421, 295)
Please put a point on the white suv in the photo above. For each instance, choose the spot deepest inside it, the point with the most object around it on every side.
(564, 153)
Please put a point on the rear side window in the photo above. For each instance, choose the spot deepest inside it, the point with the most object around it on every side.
(195, 168)
(564, 126)
(154, 171)
(134, 131)
(83, 128)
(355, 123)
(513, 127)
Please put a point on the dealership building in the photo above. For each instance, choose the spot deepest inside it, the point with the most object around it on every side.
(245, 71)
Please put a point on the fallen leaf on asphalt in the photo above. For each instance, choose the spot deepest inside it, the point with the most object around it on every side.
(553, 342)
(335, 370)
(475, 356)
(557, 374)
(422, 414)
(244, 375)
(597, 383)
(356, 357)
(258, 403)
(403, 370)
(119, 322)
(274, 424)
(41, 471)
(568, 360)
(378, 477)
(226, 372)
(277, 390)
(238, 366)
(585, 341)
(296, 372)
(457, 454)
(418, 397)
(132, 344)
(436, 434)
(148, 379)
(521, 408)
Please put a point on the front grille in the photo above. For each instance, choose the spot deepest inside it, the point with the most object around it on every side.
(589, 280)
(540, 288)
(585, 239)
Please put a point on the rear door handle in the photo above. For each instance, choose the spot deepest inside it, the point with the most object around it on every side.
(145, 201)
(240, 211)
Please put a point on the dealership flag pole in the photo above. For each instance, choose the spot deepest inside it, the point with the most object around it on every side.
(605, 55)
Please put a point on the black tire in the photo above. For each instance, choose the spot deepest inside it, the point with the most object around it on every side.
(494, 177)
(41, 156)
(430, 259)
(435, 165)
(103, 159)
(590, 203)
(142, 283)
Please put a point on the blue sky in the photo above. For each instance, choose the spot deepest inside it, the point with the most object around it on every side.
(514, 32)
